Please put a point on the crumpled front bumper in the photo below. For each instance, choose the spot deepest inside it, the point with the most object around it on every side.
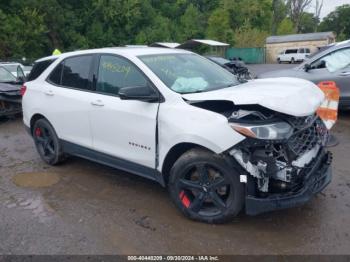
(319, 176)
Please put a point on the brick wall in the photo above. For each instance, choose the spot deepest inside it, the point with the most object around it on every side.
(273, 50)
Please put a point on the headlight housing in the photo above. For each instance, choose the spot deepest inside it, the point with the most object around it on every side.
(271, 131)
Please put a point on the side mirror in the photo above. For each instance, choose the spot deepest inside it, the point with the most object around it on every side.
(307, 67)
(142, 93)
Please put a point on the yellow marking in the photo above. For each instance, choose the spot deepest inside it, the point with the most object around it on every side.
(115, 68)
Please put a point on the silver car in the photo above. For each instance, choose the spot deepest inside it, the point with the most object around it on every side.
(330, 64)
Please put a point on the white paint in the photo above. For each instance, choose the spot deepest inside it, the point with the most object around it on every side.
(111, 127)
(243, 179)
(291, 96)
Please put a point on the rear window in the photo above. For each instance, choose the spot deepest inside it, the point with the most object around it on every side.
(39, 68)
(56, 75)
(292, 51)
(75, 72)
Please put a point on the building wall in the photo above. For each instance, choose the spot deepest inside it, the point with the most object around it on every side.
(273, 50)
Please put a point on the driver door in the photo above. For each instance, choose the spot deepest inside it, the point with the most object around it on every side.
(125, 129)
(335, 67)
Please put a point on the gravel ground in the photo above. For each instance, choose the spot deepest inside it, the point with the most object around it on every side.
(85, 208)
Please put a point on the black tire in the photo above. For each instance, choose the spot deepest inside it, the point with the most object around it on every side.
(279, 61)
(47, 142)
(292, 61)
(205, 187)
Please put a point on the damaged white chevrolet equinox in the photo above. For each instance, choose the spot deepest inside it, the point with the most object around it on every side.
(174, 117)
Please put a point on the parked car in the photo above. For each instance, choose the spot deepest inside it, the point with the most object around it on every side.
(331, 64)
(236, 67)
(293, 55)
(10, 97)
(12, 67)
(176, 118)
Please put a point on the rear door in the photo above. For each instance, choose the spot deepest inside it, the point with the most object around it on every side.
(67, 97)
(125, 129)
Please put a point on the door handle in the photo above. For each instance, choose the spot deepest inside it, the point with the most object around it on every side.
(345, 73)
(97, 103)
(49, 93)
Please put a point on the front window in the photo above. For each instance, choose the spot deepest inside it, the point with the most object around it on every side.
(334, 61)
(115, 73)
(75, 72)
(189, 73)
(11, 68)
(6, 76)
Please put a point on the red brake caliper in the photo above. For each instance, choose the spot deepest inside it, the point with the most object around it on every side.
(184, 199)
(37, 132)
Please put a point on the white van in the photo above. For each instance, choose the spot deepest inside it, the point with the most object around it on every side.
(293, 55)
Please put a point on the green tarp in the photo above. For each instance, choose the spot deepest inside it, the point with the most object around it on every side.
(248, 55)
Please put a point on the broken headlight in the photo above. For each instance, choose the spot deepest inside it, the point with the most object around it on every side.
(271, 131)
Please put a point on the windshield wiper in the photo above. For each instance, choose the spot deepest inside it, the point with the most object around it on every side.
(195, 92)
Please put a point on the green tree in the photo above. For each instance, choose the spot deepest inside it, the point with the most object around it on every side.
(338, 22)
(279, 10)
(219, 27)
(258, 14)
(296, 10)
(191, 24)
(286, 27)
(159, 30)
(246, 36)
(308, 23)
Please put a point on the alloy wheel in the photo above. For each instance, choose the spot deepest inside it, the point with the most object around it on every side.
(204, 190)
(44, 141)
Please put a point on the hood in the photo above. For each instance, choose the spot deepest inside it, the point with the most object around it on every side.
(4, 87)
(290, 96)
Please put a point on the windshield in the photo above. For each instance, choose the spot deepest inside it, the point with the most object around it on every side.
(189, 73)
(6, 76)
(11, 68)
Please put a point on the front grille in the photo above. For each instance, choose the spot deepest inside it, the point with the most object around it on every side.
(307, 138)
(301, 122)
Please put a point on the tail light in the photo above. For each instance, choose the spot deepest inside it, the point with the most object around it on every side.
(23, 90)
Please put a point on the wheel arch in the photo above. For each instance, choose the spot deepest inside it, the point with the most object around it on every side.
(35, 118)
(174, 153)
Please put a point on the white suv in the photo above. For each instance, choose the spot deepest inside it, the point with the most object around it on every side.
(293, 55)
(179, 119)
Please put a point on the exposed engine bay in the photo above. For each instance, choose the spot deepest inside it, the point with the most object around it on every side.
(276, 162)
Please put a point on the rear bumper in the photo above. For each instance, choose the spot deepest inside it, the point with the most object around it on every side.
(10, 106)
(315, 181)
